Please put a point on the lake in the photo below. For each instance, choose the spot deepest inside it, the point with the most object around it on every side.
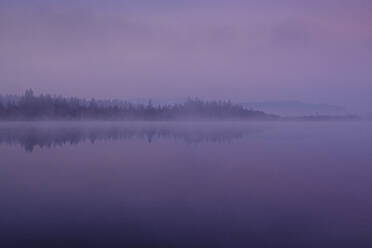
(184, 184)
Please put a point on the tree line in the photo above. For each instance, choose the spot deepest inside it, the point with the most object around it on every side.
(32, 107)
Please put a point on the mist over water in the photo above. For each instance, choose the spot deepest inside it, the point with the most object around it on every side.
(184, 184)
(186, 124)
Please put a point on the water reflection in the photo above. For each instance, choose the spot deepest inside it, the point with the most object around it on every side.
(50, 135)
(277, 184)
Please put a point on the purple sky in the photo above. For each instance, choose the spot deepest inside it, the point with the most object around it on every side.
(314, 51)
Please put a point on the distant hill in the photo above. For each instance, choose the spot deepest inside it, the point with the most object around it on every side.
(295, 108)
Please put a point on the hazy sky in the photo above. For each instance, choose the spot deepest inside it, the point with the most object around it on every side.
(315, 51)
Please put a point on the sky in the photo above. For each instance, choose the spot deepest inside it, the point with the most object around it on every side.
(316, 51)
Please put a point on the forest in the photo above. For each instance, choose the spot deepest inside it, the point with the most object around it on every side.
(48, 107)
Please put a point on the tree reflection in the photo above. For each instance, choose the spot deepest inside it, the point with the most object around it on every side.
(56, 135)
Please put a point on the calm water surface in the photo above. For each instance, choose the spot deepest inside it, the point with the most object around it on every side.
(271, 184)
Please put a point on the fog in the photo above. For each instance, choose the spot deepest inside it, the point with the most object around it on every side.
(189, 123)
(318, 52)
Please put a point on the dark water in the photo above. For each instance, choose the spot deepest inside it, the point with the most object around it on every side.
(253, 184)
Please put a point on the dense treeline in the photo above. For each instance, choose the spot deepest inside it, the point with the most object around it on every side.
(31, 107)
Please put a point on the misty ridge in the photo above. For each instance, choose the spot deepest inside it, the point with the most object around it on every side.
(51, 135)
(48, 107)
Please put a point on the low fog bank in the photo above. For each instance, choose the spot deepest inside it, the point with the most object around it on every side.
(52, 134)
